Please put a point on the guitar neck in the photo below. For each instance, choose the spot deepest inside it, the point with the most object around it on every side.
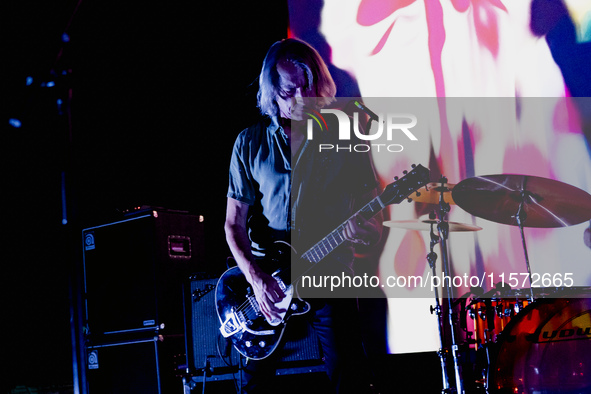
(393, 193)
(336, 237)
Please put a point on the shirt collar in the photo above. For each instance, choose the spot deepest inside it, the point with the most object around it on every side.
(274, 125)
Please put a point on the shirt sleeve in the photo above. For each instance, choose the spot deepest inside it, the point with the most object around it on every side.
(241, 186)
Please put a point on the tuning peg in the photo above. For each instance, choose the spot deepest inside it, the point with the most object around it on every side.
(418, 194)
(409, 199)
(405, 172)
(413, 165)
(395, 178)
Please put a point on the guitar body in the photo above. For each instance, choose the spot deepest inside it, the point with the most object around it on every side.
(241, 320)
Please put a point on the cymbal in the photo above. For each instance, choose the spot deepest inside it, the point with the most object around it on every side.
(430, 193)
(546, 203)
(425, 225)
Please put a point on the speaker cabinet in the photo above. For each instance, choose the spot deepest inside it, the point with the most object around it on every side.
(134, 271)
(123, 368)
(216, 355)
(138, 366)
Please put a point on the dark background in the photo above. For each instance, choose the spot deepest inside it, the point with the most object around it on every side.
(159, 91)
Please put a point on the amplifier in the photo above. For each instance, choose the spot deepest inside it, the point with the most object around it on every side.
(131, 367)
(149, 364)
(211, 351)
(135, 270)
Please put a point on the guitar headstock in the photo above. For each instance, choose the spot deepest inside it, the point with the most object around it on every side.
(401, 188)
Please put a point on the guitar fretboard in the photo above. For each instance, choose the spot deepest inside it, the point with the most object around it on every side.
(336, 237)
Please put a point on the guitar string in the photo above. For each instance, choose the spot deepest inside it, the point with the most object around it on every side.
(315, 254)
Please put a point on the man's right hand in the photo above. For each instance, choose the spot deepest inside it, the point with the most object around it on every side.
(265, 287)
(268, 293)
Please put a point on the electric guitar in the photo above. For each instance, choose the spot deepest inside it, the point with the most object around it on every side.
(238, 310)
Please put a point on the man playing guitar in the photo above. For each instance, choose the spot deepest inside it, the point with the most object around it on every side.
(282, 189)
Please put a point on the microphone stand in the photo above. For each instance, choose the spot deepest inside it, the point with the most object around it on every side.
(442, 353)
(443, 227)
(520, 217)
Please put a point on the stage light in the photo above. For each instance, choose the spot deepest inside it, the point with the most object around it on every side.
(15, 123)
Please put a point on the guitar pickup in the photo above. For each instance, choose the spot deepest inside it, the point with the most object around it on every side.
(230, 326)
(280, 282)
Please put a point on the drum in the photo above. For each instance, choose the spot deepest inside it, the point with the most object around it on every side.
(491, 315)
(546, 348)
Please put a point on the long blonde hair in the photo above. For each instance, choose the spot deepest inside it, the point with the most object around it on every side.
(302, 54)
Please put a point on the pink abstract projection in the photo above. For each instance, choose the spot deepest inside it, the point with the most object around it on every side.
(483, 15)
(499, 106)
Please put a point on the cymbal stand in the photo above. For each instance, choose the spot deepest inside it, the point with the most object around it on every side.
(432, 258)
(443, 227)
(520, 217)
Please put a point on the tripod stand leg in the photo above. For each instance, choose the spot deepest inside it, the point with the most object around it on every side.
(444, 230)
(431, 258)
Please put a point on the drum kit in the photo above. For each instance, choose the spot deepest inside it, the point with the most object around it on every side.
(524, 340)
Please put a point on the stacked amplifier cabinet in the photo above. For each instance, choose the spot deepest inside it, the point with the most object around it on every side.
(136, 271)
(133, 366)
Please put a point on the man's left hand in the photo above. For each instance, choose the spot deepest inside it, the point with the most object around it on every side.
(361, 231)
